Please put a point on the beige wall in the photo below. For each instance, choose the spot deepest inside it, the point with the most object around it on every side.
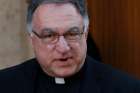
(14, 45)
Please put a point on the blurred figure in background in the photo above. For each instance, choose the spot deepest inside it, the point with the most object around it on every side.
(92, 49)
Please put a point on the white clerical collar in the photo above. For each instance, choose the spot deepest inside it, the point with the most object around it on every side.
(59, 80)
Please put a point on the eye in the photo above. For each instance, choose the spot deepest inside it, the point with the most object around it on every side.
(48, 35)
(74, 31)
(73, 34)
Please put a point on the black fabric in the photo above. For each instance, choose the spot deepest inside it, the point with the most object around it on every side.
(92, 49)
(46, 84)
(94, 77)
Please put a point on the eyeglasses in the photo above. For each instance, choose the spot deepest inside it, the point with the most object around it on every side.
(51, 37)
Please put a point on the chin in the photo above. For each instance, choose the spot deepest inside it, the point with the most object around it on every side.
(65, 73)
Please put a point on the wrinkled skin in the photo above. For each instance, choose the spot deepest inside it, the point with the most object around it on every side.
(64, 58)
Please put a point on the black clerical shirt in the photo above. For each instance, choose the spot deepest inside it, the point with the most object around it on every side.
(47, 84)
(94, 77)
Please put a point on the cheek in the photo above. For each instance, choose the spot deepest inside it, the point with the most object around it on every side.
(45, 51)
(79, 48)
(45, 55)
(41, 50)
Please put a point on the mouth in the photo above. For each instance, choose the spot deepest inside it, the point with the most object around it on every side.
(63, 59)
(67, 59)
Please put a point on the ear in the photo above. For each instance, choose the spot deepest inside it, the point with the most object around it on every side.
(86, 34)
(30, 38)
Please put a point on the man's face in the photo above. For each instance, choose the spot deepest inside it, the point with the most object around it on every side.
(64, 57)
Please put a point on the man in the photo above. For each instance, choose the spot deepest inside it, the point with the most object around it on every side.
(58, 32)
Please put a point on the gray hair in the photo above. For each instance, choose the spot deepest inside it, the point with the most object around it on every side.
(79, 4)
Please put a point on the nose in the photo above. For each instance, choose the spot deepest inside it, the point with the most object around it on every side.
(62, 45)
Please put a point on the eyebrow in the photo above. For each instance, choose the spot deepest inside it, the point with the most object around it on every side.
(74, 28)
(47, 30)
(55, 31)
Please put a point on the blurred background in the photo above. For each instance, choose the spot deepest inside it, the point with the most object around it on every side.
(14, 43)
(114, 27)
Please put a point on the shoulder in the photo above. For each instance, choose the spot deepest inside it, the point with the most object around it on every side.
(18, 78)
(18, 72)
(18, 68)
(106, 70)
(110, 78)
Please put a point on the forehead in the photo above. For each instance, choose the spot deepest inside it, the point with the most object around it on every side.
(56, 16)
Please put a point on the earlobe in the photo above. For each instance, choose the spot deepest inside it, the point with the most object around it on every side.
(31, 40)
(30, 34)
(86, 32)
